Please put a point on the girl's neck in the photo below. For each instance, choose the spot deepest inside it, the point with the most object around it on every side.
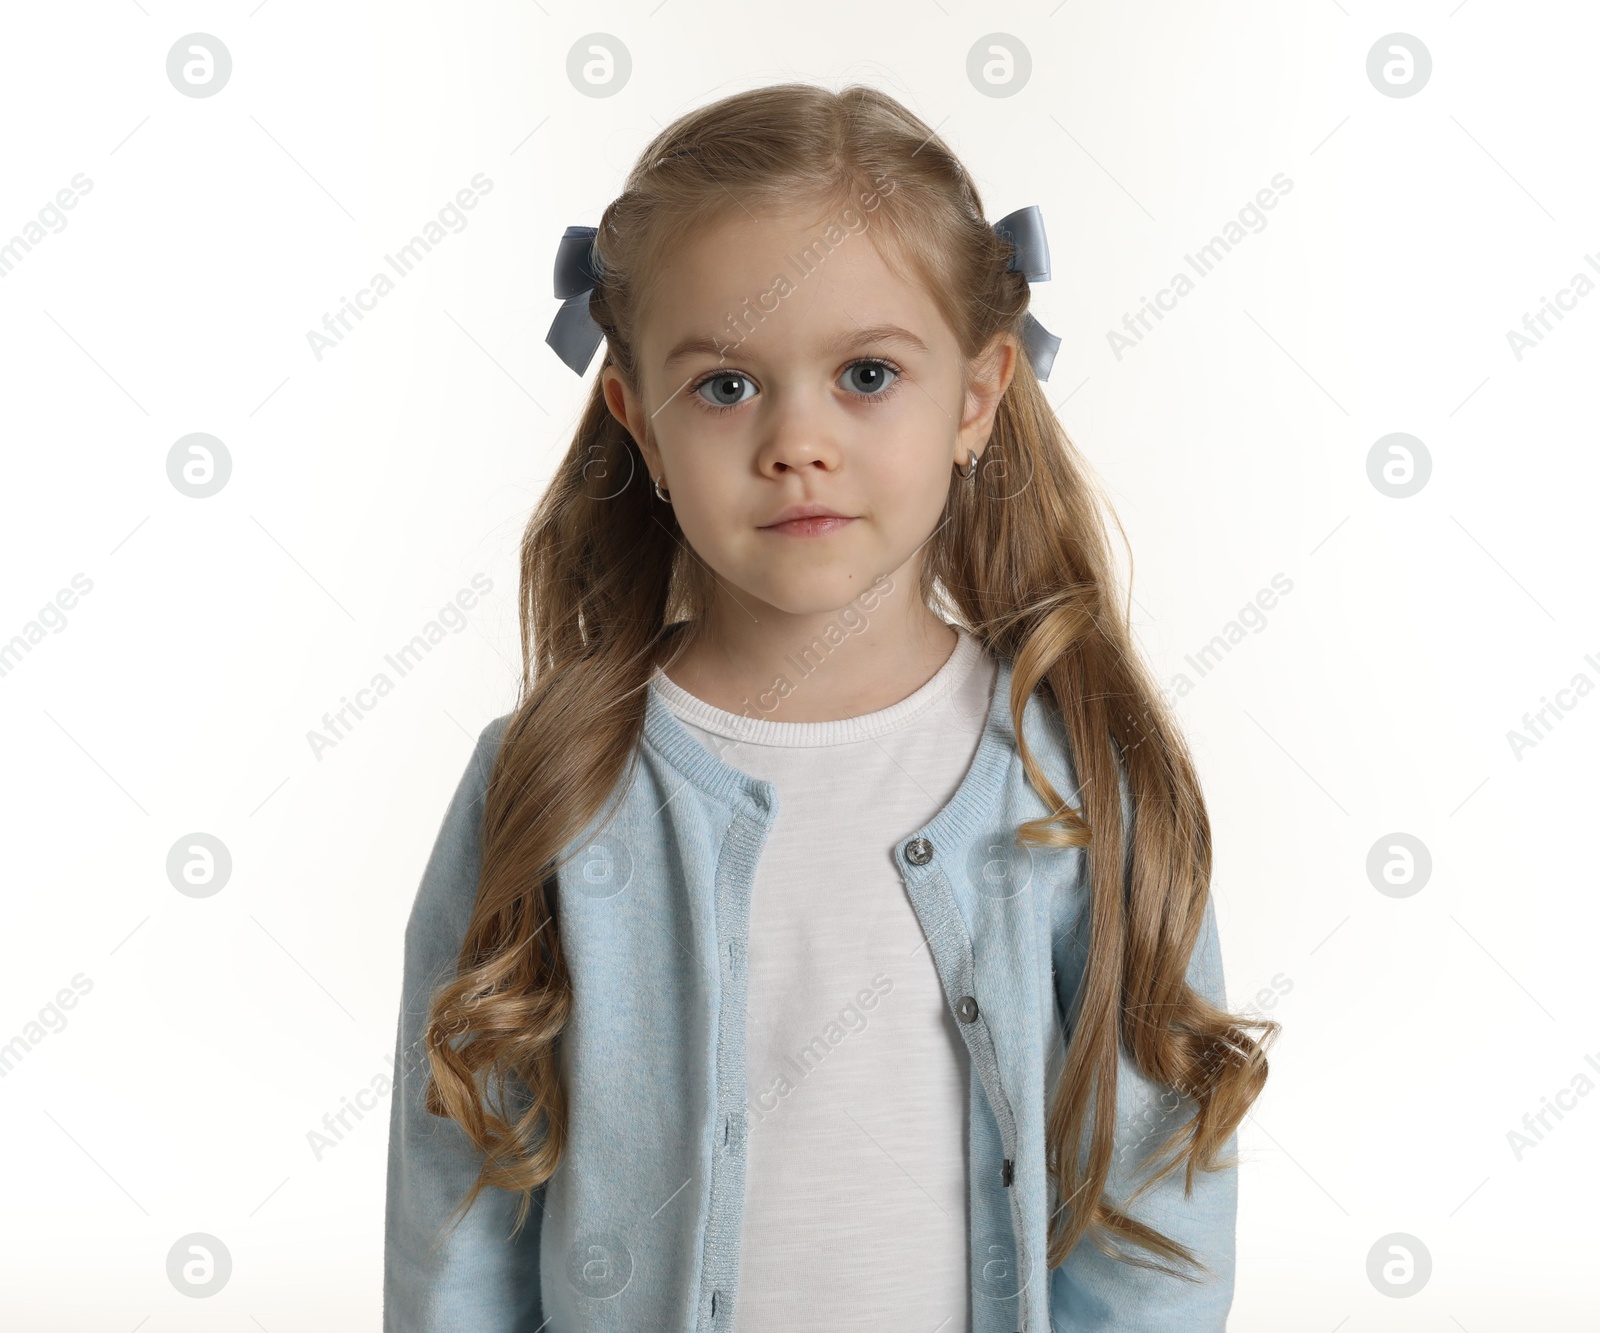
(840, 666)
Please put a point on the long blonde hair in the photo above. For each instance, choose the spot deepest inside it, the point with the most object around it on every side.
(1020, 554)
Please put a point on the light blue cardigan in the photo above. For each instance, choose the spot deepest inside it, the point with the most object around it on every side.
(639, 1227)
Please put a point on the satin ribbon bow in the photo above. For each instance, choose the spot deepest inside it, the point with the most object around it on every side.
(574, 335)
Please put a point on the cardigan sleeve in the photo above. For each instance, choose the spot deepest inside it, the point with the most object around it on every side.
(1091, 1293)
(475, 1277)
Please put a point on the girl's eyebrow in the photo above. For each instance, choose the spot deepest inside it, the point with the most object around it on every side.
(840, 342)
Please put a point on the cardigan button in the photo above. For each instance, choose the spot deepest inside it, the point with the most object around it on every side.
(919, 851)
(966, 1009)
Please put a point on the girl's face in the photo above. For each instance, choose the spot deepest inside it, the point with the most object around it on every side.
(768, 385)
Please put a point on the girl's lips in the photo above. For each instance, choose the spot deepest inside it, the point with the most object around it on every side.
(809, 527)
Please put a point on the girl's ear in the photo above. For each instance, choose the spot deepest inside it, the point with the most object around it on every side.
(617, 395)
(988, 377)
(625, 407)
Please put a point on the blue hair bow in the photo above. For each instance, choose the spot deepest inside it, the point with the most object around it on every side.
(1025, 230)
(574, 335)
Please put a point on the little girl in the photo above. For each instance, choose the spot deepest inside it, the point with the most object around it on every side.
(825, 940)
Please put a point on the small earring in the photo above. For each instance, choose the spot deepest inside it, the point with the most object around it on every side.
(661, 494)
(972, 467)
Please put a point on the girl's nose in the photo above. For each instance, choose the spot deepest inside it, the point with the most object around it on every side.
(798, 432)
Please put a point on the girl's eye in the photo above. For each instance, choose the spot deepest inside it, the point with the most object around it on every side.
(871, 378)
(727, 387)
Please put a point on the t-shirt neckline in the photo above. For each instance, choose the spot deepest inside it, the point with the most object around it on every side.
(756, 730)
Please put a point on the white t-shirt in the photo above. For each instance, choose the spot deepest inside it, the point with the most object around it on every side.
(856, 1185)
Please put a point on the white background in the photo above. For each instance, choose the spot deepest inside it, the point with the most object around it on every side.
(371, 485)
